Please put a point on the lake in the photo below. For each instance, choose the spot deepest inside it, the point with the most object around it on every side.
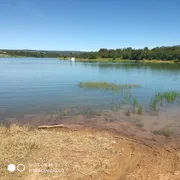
(46, 85)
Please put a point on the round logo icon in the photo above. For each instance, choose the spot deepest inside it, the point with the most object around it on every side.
(11, 167)
(21, 167)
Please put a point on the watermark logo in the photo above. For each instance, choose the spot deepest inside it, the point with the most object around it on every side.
(11, 167)
(21, 167)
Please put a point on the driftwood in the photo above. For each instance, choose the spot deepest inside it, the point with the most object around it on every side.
(50, 126)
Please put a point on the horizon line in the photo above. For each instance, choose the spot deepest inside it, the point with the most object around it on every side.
(87, 50)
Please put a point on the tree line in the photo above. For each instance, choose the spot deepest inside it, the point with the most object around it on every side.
(158, 53)
(39, 54)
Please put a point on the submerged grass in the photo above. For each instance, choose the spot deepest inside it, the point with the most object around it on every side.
(160, 99)
(164, 98)
(107, 86)
(135, 102)
(123, 89)
(140, 110)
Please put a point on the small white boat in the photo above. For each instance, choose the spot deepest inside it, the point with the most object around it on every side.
(73, 59)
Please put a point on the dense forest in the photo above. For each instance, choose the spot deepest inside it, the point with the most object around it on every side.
(158, 53)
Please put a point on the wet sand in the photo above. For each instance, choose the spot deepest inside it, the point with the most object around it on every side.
(154, 128)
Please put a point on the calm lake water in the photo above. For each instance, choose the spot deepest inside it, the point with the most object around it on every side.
(38, 85)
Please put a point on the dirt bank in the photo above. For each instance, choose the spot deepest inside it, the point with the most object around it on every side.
(110, 145)
(82, 153)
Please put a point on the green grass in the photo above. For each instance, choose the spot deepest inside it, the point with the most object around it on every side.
(116, 60)
(153, 105)
(159, 99)
(140, 110)
(135, 102)
(123, 89)
(119, 60)
(107, 86)
(164, 98)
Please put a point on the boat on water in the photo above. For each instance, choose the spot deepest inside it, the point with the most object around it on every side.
(72, 59)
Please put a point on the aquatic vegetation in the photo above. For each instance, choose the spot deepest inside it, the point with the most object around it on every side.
(160, 99)
(135, 103)
(140, 110)
(164, 98)
(127, 95)
(140, 125)
(153, 105)
(123, 89)
(88, 112)
(107, 86)
(66, 111)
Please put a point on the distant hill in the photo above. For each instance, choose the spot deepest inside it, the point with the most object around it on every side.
(38, 53)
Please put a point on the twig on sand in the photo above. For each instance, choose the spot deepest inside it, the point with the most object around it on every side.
(51, 126)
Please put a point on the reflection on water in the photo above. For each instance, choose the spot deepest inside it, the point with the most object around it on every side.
(30, 85)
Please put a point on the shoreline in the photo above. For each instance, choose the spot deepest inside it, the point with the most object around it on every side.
(110, 145)
(105, 60)
(125, 61)
(131, 124)
(98, 150)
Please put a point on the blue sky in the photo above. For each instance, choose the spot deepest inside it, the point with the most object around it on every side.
(88, 24)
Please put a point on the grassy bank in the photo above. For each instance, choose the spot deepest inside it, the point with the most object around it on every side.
(99, 60)
(105, 60)
(119, 60)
